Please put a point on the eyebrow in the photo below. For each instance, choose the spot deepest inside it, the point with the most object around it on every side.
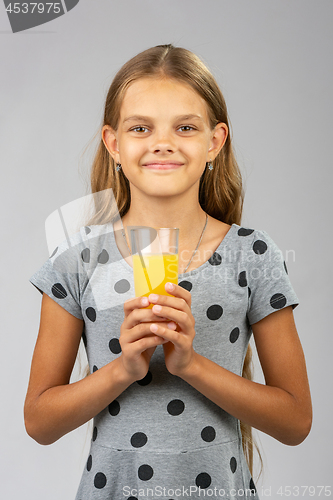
(147, 118)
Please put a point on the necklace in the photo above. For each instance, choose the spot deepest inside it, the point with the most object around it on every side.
(123, 233)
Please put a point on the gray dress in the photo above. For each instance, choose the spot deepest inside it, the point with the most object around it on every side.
(161, 438)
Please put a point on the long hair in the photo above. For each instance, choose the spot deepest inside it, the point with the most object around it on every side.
(220, 190)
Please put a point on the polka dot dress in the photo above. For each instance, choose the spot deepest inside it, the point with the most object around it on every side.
(161, 438)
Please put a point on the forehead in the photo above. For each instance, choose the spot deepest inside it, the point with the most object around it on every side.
(152, 96)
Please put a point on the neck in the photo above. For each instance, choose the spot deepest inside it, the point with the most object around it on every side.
(190, 220)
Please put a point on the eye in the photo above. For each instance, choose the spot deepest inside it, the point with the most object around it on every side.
(188, 127)
(139, 129)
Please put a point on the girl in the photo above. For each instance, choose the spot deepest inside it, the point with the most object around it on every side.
(169, 388)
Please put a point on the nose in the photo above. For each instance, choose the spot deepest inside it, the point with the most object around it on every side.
(162, 143)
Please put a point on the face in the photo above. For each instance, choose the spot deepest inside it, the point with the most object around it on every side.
(164, 138)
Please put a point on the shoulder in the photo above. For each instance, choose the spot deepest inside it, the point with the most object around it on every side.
(242, 233)
(240, 237)
(248, 247)
(79, 246)
(258, 239)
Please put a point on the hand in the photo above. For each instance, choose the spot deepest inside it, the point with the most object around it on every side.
(137, 341)
(178, 352)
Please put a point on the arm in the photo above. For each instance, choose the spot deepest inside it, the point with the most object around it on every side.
(53, 406)
(281, 408)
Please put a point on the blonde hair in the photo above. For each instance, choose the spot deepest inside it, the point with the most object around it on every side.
(220, 190)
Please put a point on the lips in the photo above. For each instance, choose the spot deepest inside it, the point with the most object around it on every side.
(163, 166)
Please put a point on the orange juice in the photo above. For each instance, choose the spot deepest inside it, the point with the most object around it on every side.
(159, 269)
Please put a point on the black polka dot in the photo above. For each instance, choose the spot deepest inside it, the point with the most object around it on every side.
(59, 291)
(95, 368)
(214, 312)
(84, 338)
(91, 313)
(146, 379)
(233, 464)
(100, 480)
(139, 439)
(114, 408)
(203, 480)
(85, 255)
(243, 231)
(249, 292)
(87, 229)
(285, 266)
(89, 463)
(54, 252)
(259, 247)
(145, 472)
(242, 281)
(122, 286)
(176, 407)
(132, 498)
(252, 486)
(103, 257)
(234, 335)
(94, 437)
(215, 259)
(187, 285)
(208, 434)
(278, 300)
(114, 346)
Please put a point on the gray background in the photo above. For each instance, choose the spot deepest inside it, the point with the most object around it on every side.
(273, 61)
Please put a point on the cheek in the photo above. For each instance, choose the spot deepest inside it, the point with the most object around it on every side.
(197, 150)
(130, 150)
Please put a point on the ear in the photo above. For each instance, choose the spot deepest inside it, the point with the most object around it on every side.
(217, 141)
(109, 137)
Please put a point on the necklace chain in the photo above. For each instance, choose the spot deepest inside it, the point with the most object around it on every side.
(123, 233)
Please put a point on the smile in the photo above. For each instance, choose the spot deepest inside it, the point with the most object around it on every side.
(162, 166)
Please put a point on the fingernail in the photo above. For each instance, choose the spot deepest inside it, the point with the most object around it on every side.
(153, 328)
(153, 297)
(144, 301)
(170, 286)
(172, 326)
(157, 308)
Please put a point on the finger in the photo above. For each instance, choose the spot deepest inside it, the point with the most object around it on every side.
(145, 343)
(166, 333)
(138, 316)
(140, 331)
(135, 303)
(174, 302)
(178, 291)
(179, 317)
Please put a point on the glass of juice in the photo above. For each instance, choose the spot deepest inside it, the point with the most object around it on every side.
(155, 259)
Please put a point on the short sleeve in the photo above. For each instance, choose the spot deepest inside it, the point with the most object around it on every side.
(62, 277)
(269, 286)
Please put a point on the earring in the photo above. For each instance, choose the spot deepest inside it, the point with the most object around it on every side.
(209, 165)
(118, 167)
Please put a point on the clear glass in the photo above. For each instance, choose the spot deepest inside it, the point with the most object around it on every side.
(155, 259)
